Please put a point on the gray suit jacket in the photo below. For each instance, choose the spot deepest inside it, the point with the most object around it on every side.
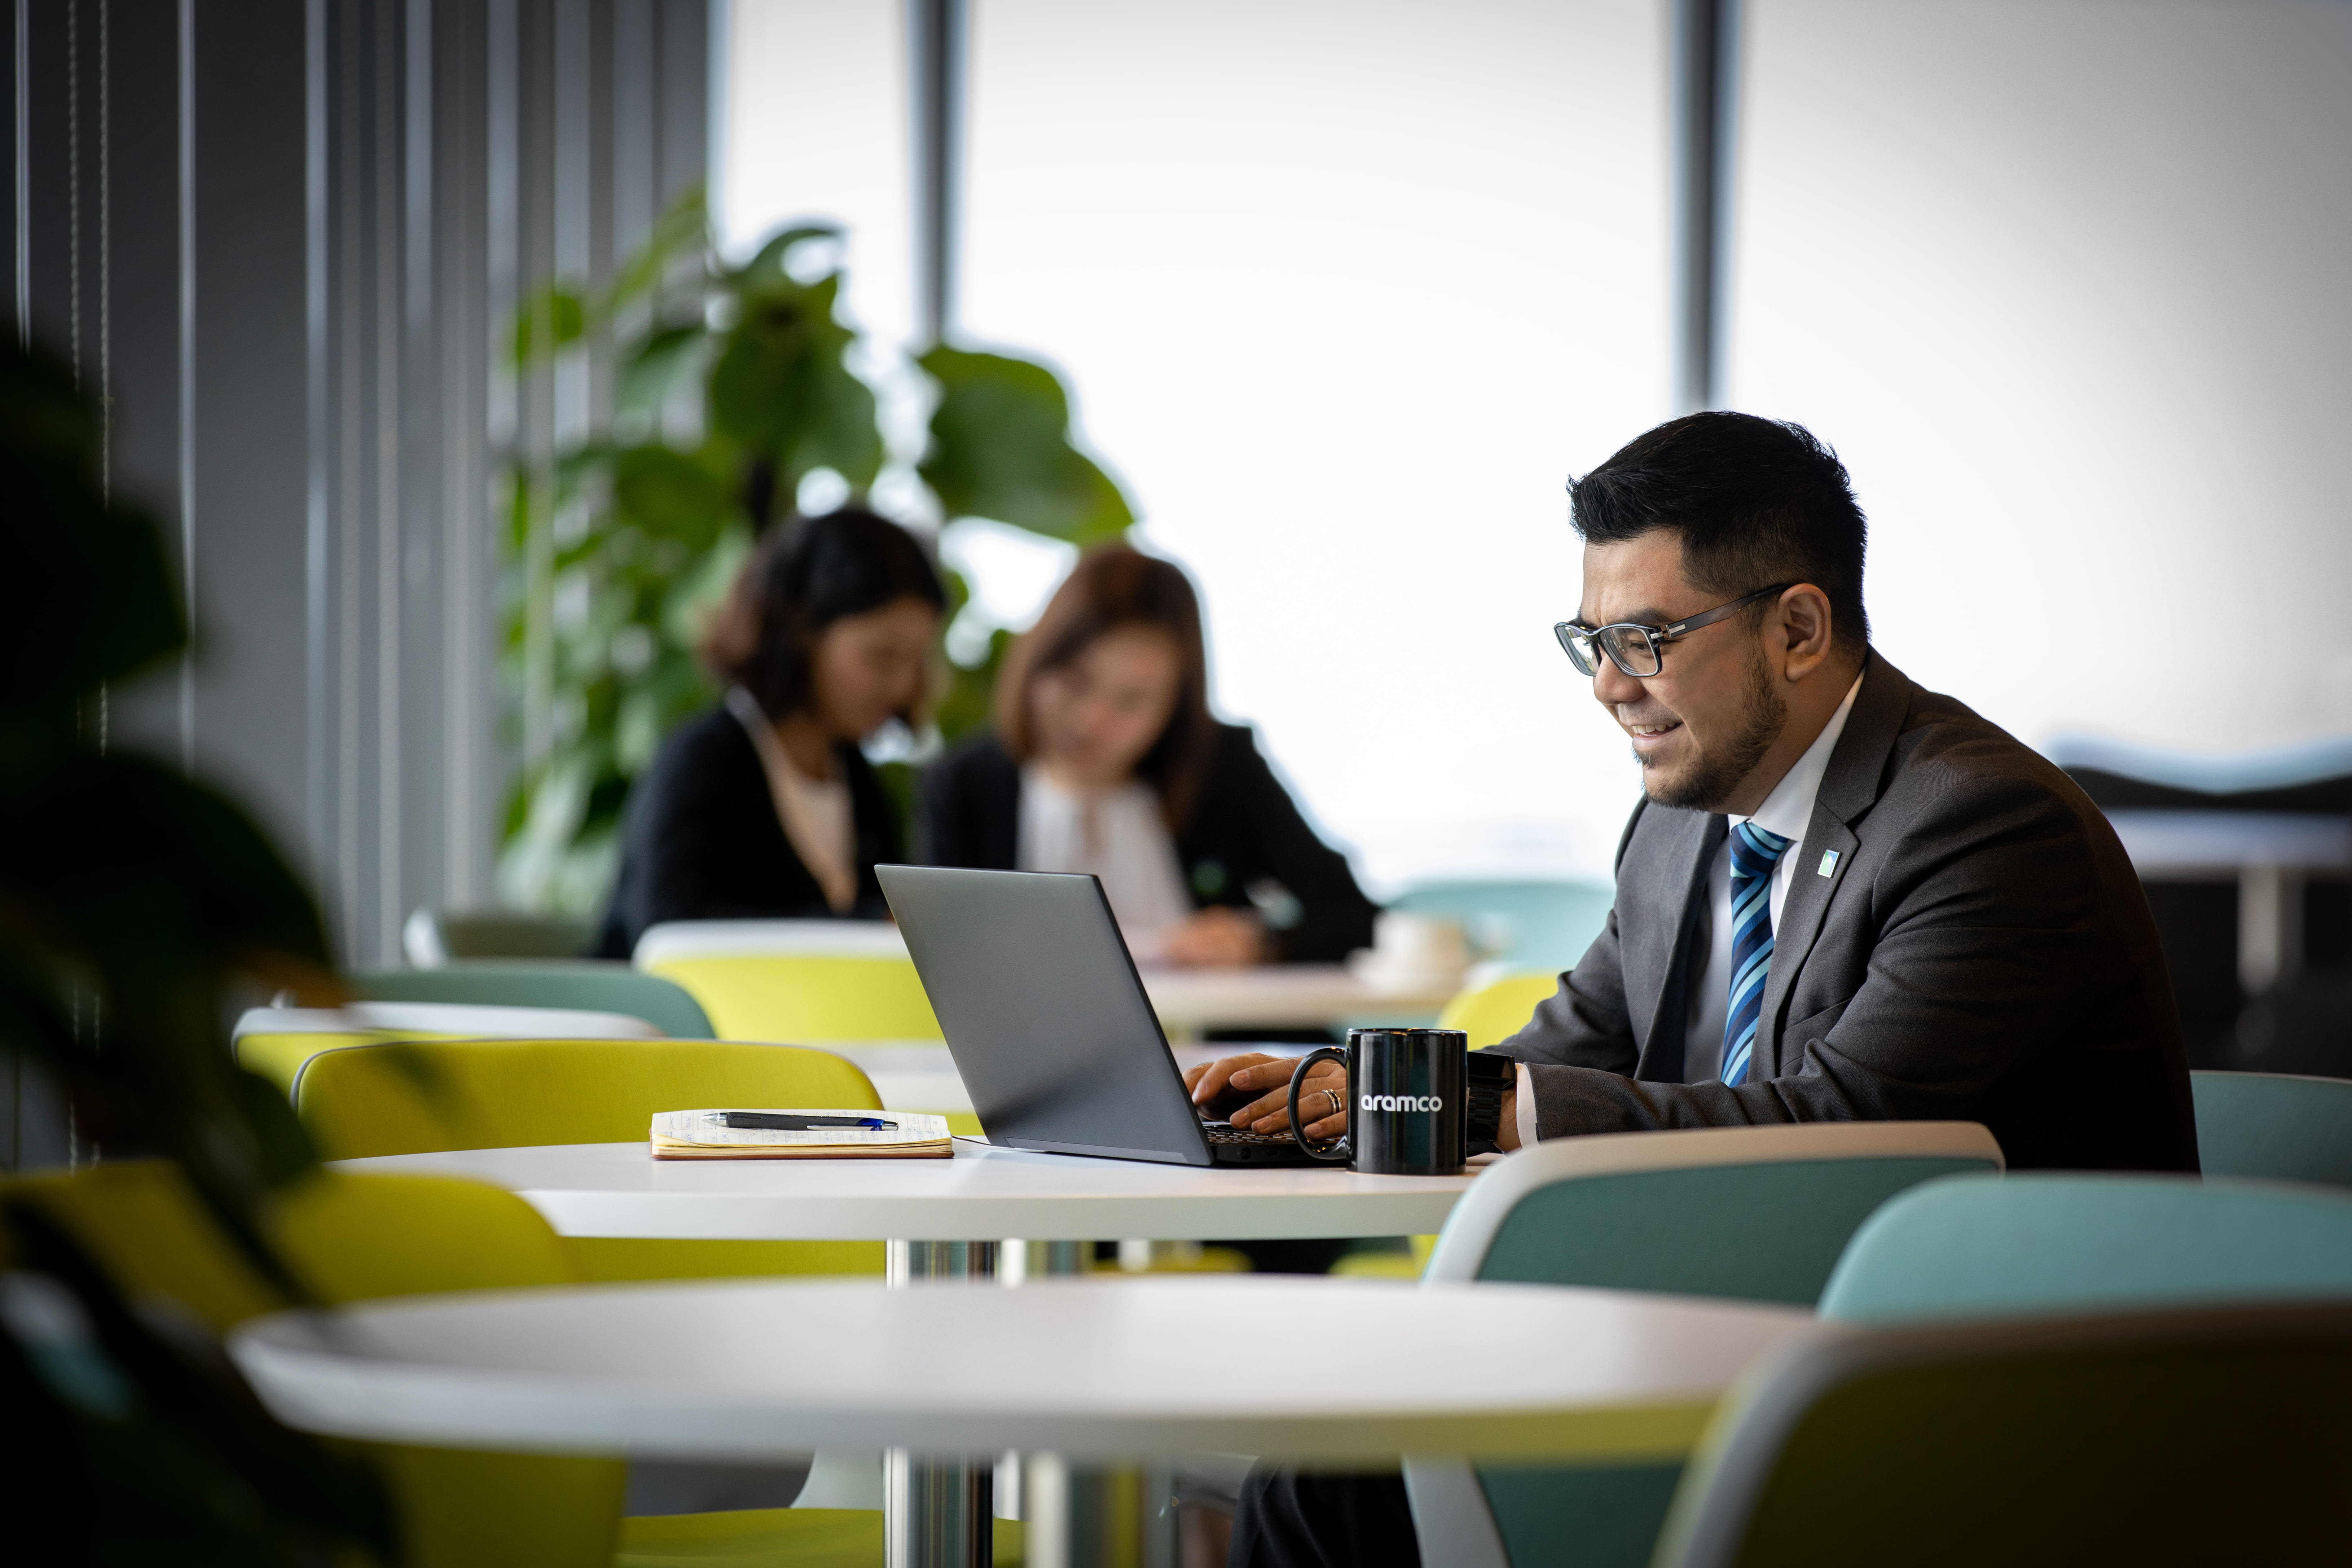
(1980, 950)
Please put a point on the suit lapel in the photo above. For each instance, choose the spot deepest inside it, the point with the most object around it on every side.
(1801, 917)
(1658, 963)
(1849, 788)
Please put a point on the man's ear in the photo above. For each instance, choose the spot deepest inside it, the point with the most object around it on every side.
(1807, 629)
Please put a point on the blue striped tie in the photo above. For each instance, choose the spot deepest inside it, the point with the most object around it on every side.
(1754, 852)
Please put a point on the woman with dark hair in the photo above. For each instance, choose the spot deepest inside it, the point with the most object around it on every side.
(1105, 759)
(764, 807)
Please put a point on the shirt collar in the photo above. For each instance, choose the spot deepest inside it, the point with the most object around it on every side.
(1789, 809)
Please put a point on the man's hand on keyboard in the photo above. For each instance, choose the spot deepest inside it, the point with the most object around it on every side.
(1261, 1085)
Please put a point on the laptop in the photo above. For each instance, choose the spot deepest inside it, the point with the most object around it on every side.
(1048, 1021)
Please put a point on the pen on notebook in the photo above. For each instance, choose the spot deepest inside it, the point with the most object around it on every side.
(777, 1121)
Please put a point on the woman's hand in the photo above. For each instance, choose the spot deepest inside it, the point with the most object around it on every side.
(1219, 938)
(1322, 1099)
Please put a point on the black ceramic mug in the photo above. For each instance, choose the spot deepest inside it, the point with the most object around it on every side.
(1408, 1099)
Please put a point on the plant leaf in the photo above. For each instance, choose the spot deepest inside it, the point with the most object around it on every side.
(1000, 448)
(554, 316)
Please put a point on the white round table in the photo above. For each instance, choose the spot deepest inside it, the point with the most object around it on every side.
(984, 1194)
(1118, 1370)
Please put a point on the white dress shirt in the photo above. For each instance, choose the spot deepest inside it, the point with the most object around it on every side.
(1787, 811)
(1121, 835)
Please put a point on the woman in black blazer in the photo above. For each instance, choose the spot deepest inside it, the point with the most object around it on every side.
(764, 807)
(1103, 709)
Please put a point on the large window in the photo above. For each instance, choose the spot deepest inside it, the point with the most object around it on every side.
(2066, 284)
(1347, 292)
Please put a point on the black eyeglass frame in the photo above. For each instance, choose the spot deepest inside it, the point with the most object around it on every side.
(1654, 638)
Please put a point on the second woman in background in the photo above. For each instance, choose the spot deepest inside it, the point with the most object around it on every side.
(1105, 759)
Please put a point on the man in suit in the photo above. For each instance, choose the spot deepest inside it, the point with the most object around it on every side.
(1842, 897)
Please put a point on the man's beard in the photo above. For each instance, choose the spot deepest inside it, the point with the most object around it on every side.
(1716, 772)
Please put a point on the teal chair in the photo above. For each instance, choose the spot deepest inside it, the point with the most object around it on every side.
(1524, 925)
(2205, 1427)
(1973, 1247)
(2269, 1124)
(1757, 1213)
(577, 985)
(2156, 1439)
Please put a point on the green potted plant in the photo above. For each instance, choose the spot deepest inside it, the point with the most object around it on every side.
(732, 386)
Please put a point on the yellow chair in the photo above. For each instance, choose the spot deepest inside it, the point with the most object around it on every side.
(1494, 1013)
(352, 1238)
(414, 1097)
(803, 980)
(276, 1041)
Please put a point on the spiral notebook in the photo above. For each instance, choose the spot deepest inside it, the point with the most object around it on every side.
(795, 1134)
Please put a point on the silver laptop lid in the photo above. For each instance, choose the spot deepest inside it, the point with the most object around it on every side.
(1046, 1017)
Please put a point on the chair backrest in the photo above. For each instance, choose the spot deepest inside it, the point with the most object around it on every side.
(434, 937)
(276, 1041)
(353, 1239)
(2271, 1124)
(414, 1095)
(2161, 1438)
(1528, 925)
(2045, 1243)
(809, 982)
(1755, 1213)
(1752, 1213)
(1493, 1013)
(576, 986)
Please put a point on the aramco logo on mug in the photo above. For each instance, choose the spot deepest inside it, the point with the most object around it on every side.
(1400, 1102)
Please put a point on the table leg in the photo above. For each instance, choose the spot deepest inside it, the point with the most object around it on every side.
(1090, 1517)
(2270, 926)
(938, 1513)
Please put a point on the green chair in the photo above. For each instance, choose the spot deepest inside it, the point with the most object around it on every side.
(1973, 1247)
(2155, 1439)
(416, 1096)
(2269, 1124)
(1751, 1213)
(2204, 1429)
(580, 984)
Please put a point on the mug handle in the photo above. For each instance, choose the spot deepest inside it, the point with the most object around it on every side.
(1338, 1151)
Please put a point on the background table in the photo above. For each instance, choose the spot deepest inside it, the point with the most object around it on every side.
(1286, 995)
(1109, 1371)
(2268, 854)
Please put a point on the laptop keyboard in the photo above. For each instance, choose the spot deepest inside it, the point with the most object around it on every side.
(1223, 1133)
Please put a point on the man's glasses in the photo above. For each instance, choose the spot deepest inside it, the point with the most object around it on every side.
(1639, 650)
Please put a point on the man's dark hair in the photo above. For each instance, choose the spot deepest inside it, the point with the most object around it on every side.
(803, 576)
(1756, 501)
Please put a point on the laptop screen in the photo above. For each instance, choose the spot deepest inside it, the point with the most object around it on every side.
(1040, 1006)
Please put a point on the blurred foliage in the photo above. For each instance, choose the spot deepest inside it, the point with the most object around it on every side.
(134, 903)
(731, 386)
